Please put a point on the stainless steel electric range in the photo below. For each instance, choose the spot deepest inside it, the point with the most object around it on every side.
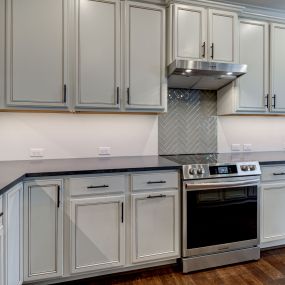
(220, 210)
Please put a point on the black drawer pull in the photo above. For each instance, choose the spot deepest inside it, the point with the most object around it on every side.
(156, 182)
(156, 196)
(1, 215)
(279, 173)
(98, 186)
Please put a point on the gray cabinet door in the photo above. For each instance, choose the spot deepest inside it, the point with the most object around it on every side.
(97, 233)
(2, 268)
(254, 47)
(43, 231)
(189, 32)
(98, 54)
(155, 226)
(223, 36)
(277, 59)
(35, 64)
(145, 56)
(14, 235)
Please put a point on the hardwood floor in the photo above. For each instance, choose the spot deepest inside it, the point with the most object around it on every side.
(269, 270)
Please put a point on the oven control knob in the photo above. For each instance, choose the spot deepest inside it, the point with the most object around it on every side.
(193, 171)
(200, 171)
(252, 167)
(245, 168)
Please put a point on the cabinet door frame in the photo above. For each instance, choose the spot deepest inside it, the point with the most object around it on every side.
(58, 184)
(203, 27)
(281, 109)
(269, 187)
(234, 17)
(176, 227)
(16, 190)
(126, 39)
(2, 250)
(10, 102)
(266, 91)
(117, 52)
(74, 203)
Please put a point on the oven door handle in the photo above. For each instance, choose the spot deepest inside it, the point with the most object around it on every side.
(206, 186)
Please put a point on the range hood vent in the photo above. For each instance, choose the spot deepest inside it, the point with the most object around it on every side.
(203, 75)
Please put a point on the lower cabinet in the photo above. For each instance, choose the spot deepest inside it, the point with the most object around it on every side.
(1, 245)
(155, 226)
(43, 230)
(272, 212)
(97, 233)
(14, 235)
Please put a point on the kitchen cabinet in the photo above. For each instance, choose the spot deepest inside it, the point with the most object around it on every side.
(277, 47)
(155, 226)
(98, 54)
(254, 51)
(251, 92)
(197, 33)
(36, 74)
(145, 85)
(43, 229)
(154, 216)
(98, 201)
(273, 211)
(260, 90)
(272, 223)
(14, 235)
(2, 255)
(101, 245)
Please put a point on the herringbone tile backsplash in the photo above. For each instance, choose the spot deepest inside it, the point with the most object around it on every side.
(190, 125)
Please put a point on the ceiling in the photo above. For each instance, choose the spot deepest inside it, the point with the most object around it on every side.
(273, 4)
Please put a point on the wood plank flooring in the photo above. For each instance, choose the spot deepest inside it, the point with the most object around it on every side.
(269, 270)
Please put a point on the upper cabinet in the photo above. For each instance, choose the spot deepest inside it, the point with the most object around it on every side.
(254, 86)
(35, 53)
(76, 55)
(144, 56)
(98, 54)
(198, 33)
(277, 58)
(222, 35)
(260, 90)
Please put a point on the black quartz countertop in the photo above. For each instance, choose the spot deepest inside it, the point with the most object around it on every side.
(13, 172)
(264, 158)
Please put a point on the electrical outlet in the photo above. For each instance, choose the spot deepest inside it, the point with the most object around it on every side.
(247, 147)
(36, 152)
(104, 150)
(236, 147)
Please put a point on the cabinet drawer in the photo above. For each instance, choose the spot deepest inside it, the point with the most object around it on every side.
(273, 173)
(97, 185)
(161, 180)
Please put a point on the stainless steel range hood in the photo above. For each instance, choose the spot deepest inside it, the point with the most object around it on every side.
(202, 74)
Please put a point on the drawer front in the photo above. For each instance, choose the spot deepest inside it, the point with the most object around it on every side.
(273, 173)
(97, 185)
(161, 180)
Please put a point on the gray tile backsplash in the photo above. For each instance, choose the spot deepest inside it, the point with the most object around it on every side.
(190, 125)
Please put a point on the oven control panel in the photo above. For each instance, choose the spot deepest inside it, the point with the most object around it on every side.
(202, 171)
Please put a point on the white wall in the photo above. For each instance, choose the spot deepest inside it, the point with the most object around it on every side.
(76, 135)
(264, 133)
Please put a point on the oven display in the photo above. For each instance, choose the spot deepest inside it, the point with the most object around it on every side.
(227, 169)
(223, 170)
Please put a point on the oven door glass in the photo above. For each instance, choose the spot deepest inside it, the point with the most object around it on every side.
(221, 216)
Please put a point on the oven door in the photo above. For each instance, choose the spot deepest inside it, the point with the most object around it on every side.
(220, 215)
